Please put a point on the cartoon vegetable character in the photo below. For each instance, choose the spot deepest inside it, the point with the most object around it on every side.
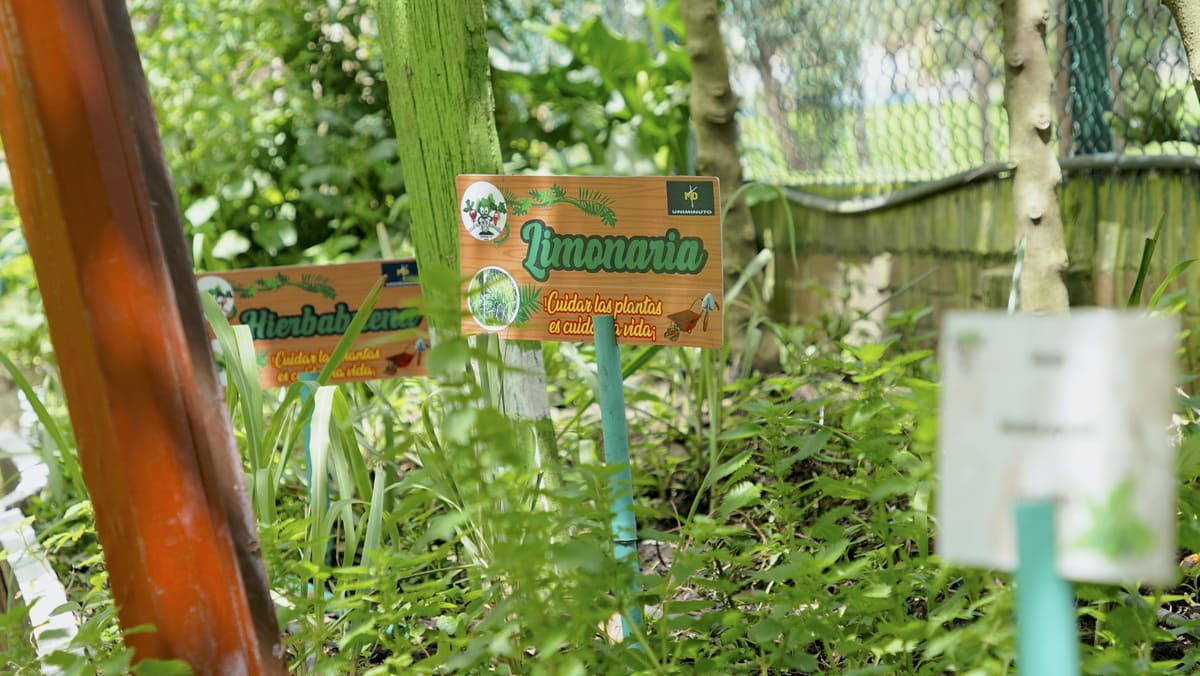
(221, 291)
(485, 215)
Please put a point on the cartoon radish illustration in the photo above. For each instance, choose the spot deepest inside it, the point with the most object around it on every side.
(484, 211)
(221, 291)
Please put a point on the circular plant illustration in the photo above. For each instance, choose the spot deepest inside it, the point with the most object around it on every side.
(493, 298)
(221, 291)
(484, 213)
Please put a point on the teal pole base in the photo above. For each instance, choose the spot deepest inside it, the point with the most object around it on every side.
(616, 452)
(1047, 633)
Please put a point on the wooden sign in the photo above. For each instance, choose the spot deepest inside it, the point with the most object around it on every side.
(297, 314)
(543, 254)
(1073, 410)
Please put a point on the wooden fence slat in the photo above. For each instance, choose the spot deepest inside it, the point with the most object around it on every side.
(155, 443)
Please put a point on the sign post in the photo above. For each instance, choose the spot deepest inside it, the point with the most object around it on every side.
(297, 315)
(1047, 637)
(616, 453)
(610, 259)
(1054, 460)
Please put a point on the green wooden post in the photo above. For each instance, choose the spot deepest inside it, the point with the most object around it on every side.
(308, 386)
(616, 452)
(1047, 635)
(435, 55)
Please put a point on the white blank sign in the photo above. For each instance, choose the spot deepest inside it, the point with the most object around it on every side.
(1072, 408)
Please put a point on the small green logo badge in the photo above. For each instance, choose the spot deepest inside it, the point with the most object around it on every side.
(690, 198)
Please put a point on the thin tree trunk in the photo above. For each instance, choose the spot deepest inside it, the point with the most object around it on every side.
(1027, 86)
(1187, 18)
(713, 111)
(439, 84)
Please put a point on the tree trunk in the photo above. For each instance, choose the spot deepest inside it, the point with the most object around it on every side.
(1027, 86)
(713, 111)
(439, 84)
(1187, 18)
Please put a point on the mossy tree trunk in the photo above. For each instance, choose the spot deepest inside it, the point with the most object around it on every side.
(1037, 176)
(439, 84)
(714, 122)
(713, 111)
(1187, 18)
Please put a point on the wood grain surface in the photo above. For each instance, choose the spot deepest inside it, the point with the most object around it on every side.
(298, 314)
(646, 250)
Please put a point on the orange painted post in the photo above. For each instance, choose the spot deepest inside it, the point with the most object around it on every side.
(102, 226)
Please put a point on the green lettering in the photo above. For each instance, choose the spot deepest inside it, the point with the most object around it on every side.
(637, 255)
(308, 321)
(256, 319)
(343, 318)
(594, 258)
(692, 256)
(325, 324)
(537, 255)
(568, 253)
(656, 254)
(668, 254)
(614, 253)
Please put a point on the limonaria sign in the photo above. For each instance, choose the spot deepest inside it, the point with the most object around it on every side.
(542, 254)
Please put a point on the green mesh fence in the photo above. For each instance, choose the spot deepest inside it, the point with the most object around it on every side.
(889, 92)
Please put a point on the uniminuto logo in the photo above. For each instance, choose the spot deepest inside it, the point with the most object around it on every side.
(690, 198)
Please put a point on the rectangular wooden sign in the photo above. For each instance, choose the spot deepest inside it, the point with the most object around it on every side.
(297, 314)
(1069, 408)
(542, 254)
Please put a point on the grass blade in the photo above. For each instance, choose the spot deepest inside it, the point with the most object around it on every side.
(373, 539)
(70, 461)
(352, 331)
(1135, 295)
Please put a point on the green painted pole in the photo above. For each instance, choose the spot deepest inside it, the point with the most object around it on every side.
(1047, 635)
(616, 452)
(309, 381)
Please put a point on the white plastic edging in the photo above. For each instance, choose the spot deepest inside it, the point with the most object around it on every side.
(39, 588)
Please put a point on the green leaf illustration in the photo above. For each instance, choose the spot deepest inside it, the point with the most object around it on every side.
(590, 202)
(1115, 531)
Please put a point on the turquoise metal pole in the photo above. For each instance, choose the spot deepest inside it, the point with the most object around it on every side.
(306, 392)
(1047, 634)
(616, 452)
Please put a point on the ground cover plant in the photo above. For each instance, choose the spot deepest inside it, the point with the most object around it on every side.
(785, 523)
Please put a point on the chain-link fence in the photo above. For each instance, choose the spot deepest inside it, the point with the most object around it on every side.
(900, 91)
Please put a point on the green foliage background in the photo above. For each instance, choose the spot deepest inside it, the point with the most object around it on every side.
(785, 517)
